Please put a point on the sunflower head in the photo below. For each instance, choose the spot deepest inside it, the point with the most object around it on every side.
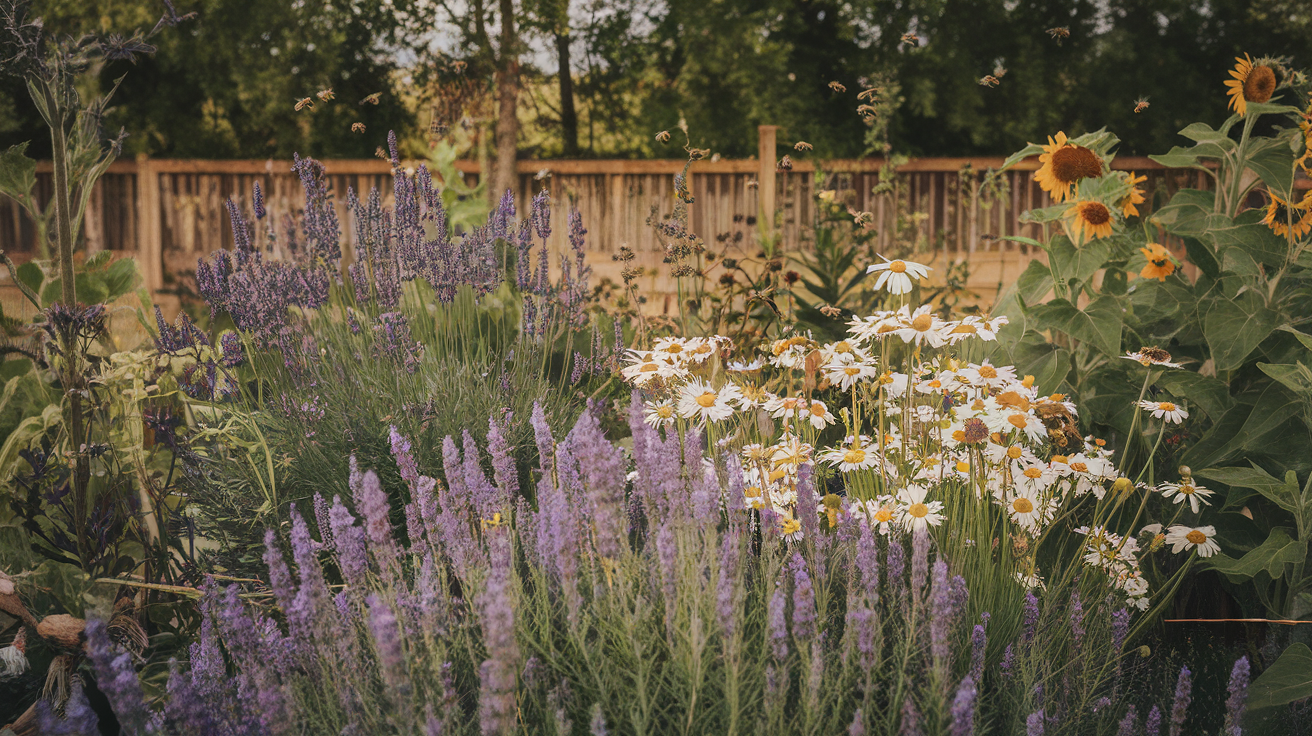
(1063, 165)
(1129, 203)
(1250, 82)
(1287, 219)
(1090, 220)
(1160, 264)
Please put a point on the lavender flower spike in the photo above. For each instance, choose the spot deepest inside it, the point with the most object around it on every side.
(1034, 724)
(1129, 725)
(1152, 726)
(1180, 708)
(1234, 705)
(963, 709)
(117, 680)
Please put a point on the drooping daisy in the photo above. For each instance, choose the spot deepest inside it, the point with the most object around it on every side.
(1089, 220)
(1152, 356)
(818, 414)
(896, 275)
(790, 528)
(701, 402)
(1165, 410)
(1160, 264)
(787, 408)
(1201, 538)
(975, 326)
(914, 512)
(790, 453)
(645, 367)
(1030, 582)
(700, 349)
(1250, 83)
(658, 413)
(1063, 165)
(1186, 490)
(1135, 197)
(738, 366)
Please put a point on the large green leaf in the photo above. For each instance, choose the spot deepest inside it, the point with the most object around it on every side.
(1208, 450)
(1289, 678)
(1078, 264)
(1098, 324)
(1048, 368)
(1247, 232)
(1296, 377)
(1209, 394)
(1235, 327)
(31, 274)
(1283, 493)
(1275, 165)
(17, 172)
(121, 278)
(1303, 337)
(1035, 282)
(1272, 557)
(1187, 212)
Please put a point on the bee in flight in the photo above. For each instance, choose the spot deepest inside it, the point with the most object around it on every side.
(663, 136)
(988, 80)
(837, 87)
(911, 38)
(785, 164)
(1141, 104)
(372, 99)
(1059, 33)
(307, 102)
(357, 127)
(325, 94)
(802, 146)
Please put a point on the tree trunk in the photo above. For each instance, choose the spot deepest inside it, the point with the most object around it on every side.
(505, 176)
(569, 119)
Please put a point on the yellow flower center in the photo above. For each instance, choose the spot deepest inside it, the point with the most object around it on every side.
(1033, 473)
(1079, 467)
(854, 457)
(987, 371)
(790, 525)
(752, 491)
(842, 347)
(1196, 537)
(649, 368)
(675, 348)
(1166, 406)
(918, 510)
(707, 400)
(922, 323)
(664, 412)
(959, 436)
(1260, 84)
(963, 466)
(852, 370)
(897, 267)
(1187, 490)
(1022, 505)
(884, 515)
(1013, 452)
(1060, 459)
(964, 330)
(818, 409)
(1095, 213)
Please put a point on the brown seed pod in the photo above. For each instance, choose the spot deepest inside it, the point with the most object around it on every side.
(62, 630)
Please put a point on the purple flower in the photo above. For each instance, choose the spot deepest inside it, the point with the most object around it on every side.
(1180, 707)
(391, 654)
(352, 552)
(778, 623)
(497, 675)
(919, 564)
(1120, 629)
(1152, 726)
(963, 708)
(1031, 616)
(601, 469)
(941, 616)
(598, 727)
(1034, 723)
(78, 719)
(372, 502)
(864, 626)
(910, 725)
(311, 603)
(1235, 703)
(867, 564)
(503, 463)
(1077, 622)
(485, 496)
(280, 578)
(803, 600)
(667, 554)
(1129, 725)
(726, 588)
(1008, 662)
(117, 679)
(978, 645)
(896, 564)
(542, 435)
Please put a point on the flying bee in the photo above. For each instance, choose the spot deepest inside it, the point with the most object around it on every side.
(837, 87)
(988, 80)
(307, 102)
(999, 70)
(357, 127)
(1141, 104)
(1059, 33)
(911, 38)
(861, 219)
(459, 66)
(663, 136)
(380, 153)
(802, 146)
(785, 164)
(869, 94)
(752, 184)
(372, 99)
(325, 94)
(830, 311)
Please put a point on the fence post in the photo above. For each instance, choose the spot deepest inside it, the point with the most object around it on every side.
(765, 145)
(150, 248)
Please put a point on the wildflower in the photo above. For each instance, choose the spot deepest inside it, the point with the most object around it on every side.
(1186, 490)
(1026, 510)
(1165, 410)
(853, 456)
(1090, 221)
(987, 375)
(1287, 219)
(791, 453)
(963, 708)
(915, 514)
(847, 370)
(1251, 83)
(658, 413)
(1135, 197)
(738, 366)
(790, 528)
(1151, 356)
(896, 275)
(645, 368)
(974, 326)
(818, 414)
(923, 327)
(1180, 707)
(1030, 581)
(880, 513)
(700, 401)
(1201, 538)
(1234, 705)
(1160, 264)
(1064, 165)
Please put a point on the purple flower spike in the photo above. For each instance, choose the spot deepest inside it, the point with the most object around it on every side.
(910, 725)
(778, 622)
(1129, 725)
(1180, 707)
(1238, 697)
(1152, 725)
(117, 679)
(963, 709)
(803, 600)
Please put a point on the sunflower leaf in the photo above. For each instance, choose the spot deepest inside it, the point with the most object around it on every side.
(1098, 324)
(1275, 165)
(1289, 678)
(1078, 264)
(1273, 557)
(1235, 327)
(1283, 493)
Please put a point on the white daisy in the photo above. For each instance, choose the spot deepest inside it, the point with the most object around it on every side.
(659, 413)
(880, 513)
(847, 370)
(1165, 410)
(738, 366)
(896, 275)
(818, 414)
(924, 327)
(852, 455)
(1026, 510)
(914, 512)
(1193, 492)
(987, 375)
(700, 401)
(1201, 538)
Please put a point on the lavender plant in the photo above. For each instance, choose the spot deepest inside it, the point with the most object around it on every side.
(640, 595)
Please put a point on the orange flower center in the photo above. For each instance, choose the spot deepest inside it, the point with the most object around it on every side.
(852, 370)
(1072, 163)
(884, 515)
(854, 457)
(1013, 452)
(900, 267)
(1166, 406)
(1187, 489)
(987, 371)
(1018, 420)
(707, 400)
(922, 323)
(649, 368)
(1033, 473)
(818, 409)
(1079, 467)
(1196, 537)
(918, 510)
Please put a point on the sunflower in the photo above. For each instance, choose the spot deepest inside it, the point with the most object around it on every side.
(1064, 164)
(1160, 264)
(1092, 220)
(1251, 83)
(1135, 197)
(1289, 220)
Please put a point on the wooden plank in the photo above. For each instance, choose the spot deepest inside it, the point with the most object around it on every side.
(149, 245)
(766, 136)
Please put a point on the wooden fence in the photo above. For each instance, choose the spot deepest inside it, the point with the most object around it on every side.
(167, 213)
